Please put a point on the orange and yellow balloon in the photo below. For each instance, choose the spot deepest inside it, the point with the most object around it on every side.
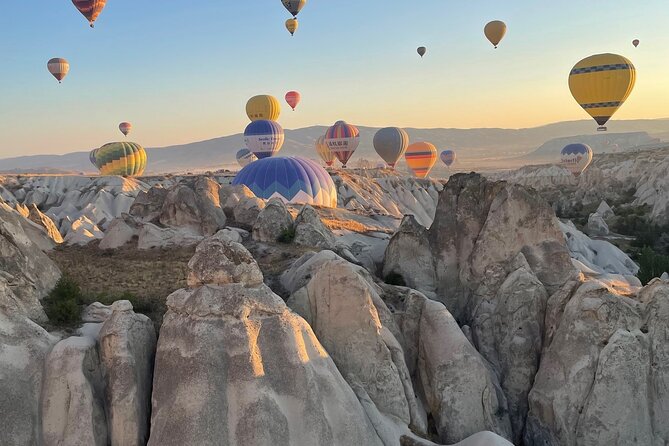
(292, 25)
(263, 107)
(601, 84)
(420, 158)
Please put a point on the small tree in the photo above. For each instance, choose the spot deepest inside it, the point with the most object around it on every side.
(651, 265)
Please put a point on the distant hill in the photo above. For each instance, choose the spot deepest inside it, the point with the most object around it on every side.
(473, 146)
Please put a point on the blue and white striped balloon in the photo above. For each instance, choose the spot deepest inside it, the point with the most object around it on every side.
(264, 138)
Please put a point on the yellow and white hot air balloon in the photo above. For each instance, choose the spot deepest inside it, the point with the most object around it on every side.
(601, 84)
(324, 151)
(263, 107)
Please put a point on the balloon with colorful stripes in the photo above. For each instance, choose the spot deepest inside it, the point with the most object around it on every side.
(58, 67)
(125, 128)
(291, 179)
(448, 157)
(420, 158)
(324, 151)
(343, 139)
(127, 159)
(264, 138)
(90, 9)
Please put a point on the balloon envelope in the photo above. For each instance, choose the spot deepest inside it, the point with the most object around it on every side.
(121, 158)
(422, 50)
(292, 179)
(421, 157)
(294, 6)
(91, 157)
(264, 138)
(324, 151)
(245, 157)
(293, 98)
(448, 157)
(90, 9)
(125, 128)
(635, 42)
(601, 84)
(292, 25)
(342, 139)
(263, 107)
(58, 67)
(576, 158)
(391, 143)
(495, 31)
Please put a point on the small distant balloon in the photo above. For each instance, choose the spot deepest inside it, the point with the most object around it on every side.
(421, 51)
(576, 158)
(294, 6)
(293, 98)
(90, 9)
(263, 107)
(495, 31)
(420, 158)
(245, 157)
(58, 68)
(448, 157)
(635, 42)
(125, 128)
(292, 25)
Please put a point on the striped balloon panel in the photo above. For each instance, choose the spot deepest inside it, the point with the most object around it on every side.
(294, 6)
(90, 9)
(264, 138)
(448, 157)
(121, 158)
(420, 158)
(601, 84)
(324, 151)
(263, 107)
(391, 143)
(343, 140)
(292, 179)
(58, 67)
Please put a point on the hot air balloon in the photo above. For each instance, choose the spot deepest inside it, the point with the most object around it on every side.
(391, 143)
(421, 51)
(342, 139)
(264, 138)
(91, 157)
(601, 84)
(576, 158)
(448, 157)
(495, 32)
(127, 159)
(125, 128)
(293, 98)
(294, 6)
(58, 68)
(292, 179)
(292, 25)
(421, 157)
(263, 107)
(90, 9)
(635, 42)
(324, 151)
(245, 157)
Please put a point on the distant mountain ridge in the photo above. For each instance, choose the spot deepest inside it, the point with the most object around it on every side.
(472, 144)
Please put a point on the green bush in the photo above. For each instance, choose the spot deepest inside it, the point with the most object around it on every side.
(651, 265)
(62, 305)
(394, 278)
(287, 236)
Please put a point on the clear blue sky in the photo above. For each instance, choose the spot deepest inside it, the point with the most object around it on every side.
(182, 71)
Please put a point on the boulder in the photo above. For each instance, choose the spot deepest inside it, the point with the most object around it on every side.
(127, 349)
(246, 211)
(304, 268)
(605, 211)
(151, 236)
(219, 261)
(235, 366)
(272, 222)
(229, 196)
(148, 205)
(180, 210)
(212, 215)
(597, 225)
(120, 232)
(82, 231)
(311, 231)
(96, 312)
(72, 398)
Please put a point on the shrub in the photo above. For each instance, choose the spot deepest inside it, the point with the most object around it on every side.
(651, 265)
(394, 278)
(62, 305)
(287, 236)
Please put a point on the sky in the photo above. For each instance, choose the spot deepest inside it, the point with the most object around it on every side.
(183, 71)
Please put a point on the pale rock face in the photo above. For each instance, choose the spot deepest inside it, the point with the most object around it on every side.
(148, 205)
(72, 398)
(37, 217)
(311, 231)
(120, 232)
(213, 217)
(304, 268)
(220, 261)
(597, 225)
(272, 222)
(229, 196)
(23, 265)
(127, 349)
(82, 231)
(478, 439)
(96, 312)
(605, 211)
(151, 236)
(180, 210)
(235, 366)
(246, 211)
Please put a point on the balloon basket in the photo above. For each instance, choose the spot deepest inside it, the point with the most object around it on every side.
(602, 129)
